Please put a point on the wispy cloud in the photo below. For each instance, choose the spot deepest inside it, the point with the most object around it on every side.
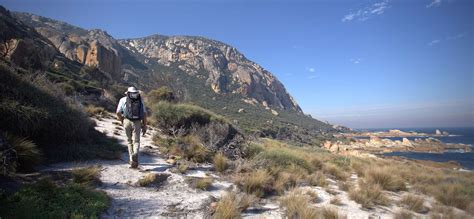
(356, 60)
(434, 3)
(433, 42)
(455, 37)
(311, 69)
(367, 12)
(313, 76)
(448, 38)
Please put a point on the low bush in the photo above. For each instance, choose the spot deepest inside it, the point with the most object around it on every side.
(35, 108)
(452, 195)
(160, 94)
(331, 213)
(282, 157)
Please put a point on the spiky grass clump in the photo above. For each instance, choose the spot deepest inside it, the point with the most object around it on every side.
(87, 175)
(368, 195)
(256, 183)
(221, 163)
(403, 214)
(385, 178)
(28, 154)
(297, 205)
(96, 111)
(227, 208)
(331, 213)
(153, 179)
(336, 171)
(412, 202)
(204, 183)
(317, 179)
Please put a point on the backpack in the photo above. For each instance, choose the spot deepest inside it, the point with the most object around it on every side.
(134, 108)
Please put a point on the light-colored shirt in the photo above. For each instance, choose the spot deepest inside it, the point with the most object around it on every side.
(122, 105)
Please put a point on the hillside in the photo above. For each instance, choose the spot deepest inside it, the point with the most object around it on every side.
(199, 70)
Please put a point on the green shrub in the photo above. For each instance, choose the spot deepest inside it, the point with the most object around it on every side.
(252, 150)
(160, 94)
(36, 109)
(172, 117)
(46, 200)
(282, 157)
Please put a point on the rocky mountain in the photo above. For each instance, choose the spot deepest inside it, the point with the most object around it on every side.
(199, 70)
(228, 70)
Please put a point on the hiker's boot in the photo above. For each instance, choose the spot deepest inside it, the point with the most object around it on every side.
(134, 165)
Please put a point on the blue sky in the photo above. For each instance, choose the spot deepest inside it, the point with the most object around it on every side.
(363, 64)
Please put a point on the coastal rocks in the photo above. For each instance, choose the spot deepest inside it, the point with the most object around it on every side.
(406, 142)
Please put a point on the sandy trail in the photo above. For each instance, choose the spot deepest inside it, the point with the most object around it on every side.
(176, 198)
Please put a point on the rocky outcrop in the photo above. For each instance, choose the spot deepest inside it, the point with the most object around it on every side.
(227, 70)
(94, 48)
(23, 46)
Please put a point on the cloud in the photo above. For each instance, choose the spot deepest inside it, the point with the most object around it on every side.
(311, 69)
(455, 37)
(434, 3)
(367, 12)
(448, 38)
(312, 76)
(434, 42)
(356, 60)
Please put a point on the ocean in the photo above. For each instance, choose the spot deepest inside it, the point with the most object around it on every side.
(457, 135)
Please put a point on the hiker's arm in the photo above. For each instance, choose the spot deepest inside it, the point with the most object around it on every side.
(120, 116)
(144, 119)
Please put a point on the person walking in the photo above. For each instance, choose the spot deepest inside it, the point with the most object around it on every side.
(132, 114)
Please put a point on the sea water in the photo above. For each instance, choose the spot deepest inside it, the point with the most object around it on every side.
(456, 135)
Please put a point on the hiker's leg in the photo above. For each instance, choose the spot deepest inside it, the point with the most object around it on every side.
(137, 127)
(128, 126)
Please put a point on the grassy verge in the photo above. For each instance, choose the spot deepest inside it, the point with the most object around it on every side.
(46, 200)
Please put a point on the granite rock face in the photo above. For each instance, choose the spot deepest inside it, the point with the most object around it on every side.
(226, 69)
(94, 47)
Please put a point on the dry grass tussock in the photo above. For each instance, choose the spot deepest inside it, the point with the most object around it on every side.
(232, 204)
(297, 205)
(449, 187)
(28, 154)
(258, 182)
(336, 171)
(153, 179)
(221, 163)
(87, 175)
(204, 183)
(403, 214)
(368, 195)
(413, 203)
(384, 177)
(317, 179)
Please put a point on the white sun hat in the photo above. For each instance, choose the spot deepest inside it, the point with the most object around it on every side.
(131, 90)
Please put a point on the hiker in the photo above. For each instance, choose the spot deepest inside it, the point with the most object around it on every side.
(132, 114)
